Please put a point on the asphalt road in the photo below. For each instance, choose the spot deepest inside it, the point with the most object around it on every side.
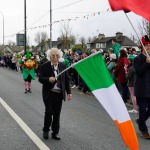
(85, 125)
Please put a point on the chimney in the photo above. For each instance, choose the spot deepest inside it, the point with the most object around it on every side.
(58, 39)
(100, 36)
(95, 37)
(118, 34)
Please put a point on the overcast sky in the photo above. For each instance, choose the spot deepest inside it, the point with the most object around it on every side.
(107, 22)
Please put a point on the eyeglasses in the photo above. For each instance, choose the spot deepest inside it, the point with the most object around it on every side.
(55, 56)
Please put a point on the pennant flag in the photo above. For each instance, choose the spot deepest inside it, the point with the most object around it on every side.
(140, 7)
(95, 74)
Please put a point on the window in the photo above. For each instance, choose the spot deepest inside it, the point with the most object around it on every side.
(103, 45)
(54, 46)
(100, 45)
(88, 45)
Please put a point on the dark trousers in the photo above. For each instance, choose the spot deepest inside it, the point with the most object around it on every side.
(28, 79)
(75, 77)
(144, 112)
(124, 91)
(85, 87)
(53, 107)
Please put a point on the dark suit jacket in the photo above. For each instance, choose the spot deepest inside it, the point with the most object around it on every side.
(46, 71)
(142, 76)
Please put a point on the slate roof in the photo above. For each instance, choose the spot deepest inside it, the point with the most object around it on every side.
(15, 49)
(123, 40)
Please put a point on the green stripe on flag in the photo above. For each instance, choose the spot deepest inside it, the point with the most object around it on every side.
(94, 72)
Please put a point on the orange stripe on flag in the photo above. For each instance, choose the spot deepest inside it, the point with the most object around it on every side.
(128, 134)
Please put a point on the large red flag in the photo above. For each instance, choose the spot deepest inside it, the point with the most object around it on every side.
(140, 7)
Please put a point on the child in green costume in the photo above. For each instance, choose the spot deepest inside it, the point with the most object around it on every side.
(28, 69)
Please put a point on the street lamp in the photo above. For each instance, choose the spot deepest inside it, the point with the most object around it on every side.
(25, 28)
(3, 26)
(50, 24)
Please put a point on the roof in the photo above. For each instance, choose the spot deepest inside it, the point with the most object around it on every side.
(13, 48)
(123, 40)
(103, 40)
(16, 48)
(1, 48)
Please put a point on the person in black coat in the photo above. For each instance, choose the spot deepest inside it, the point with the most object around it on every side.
(142, 89)
(54, 92)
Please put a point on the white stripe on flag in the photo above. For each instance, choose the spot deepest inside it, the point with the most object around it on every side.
(113, 103)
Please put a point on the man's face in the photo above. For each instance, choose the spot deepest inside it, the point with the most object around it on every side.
(54, 57)
(147, 47)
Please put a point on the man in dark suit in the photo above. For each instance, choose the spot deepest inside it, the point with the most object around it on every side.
(142, 89)
(54, 91)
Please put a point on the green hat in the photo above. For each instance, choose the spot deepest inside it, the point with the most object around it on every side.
(131, 57)
(28, 55)
(110, 49)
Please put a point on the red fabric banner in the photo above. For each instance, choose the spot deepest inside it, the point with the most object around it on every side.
(140, 7)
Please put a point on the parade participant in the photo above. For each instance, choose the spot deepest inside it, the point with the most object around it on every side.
(54, 92)
(29, 65)
(142, 87)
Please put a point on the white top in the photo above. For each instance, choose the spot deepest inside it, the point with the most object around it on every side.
(55, 72)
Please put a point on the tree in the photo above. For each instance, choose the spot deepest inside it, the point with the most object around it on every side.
(82, 42)
(89, 39)
(144, 27)
(40, 39)
(11, 43)
(77, 47)
(66, 36)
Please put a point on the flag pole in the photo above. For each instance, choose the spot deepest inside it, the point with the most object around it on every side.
(79, 62)
(137, 34)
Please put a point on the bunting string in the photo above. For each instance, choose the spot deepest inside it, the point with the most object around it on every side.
(62, 20)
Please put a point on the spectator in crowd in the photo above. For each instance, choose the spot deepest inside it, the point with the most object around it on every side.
(84, 87)
(115, 47)
(130, 84)
(18, 58)
(93, 51)
(111, 65)
(75, 75)
(14, 60)
(120, 72)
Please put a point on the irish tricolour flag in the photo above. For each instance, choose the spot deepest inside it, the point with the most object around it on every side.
(94, 72)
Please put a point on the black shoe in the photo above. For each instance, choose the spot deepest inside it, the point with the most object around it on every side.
(29, 91)
(55, 136)
(45, 135)
(26, 91)
(137, 122)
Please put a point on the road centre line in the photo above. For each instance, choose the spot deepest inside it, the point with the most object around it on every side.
(25, 128)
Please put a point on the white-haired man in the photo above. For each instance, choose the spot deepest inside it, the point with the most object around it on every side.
(54, 91)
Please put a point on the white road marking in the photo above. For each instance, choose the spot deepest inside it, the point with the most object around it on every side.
(26, 129)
